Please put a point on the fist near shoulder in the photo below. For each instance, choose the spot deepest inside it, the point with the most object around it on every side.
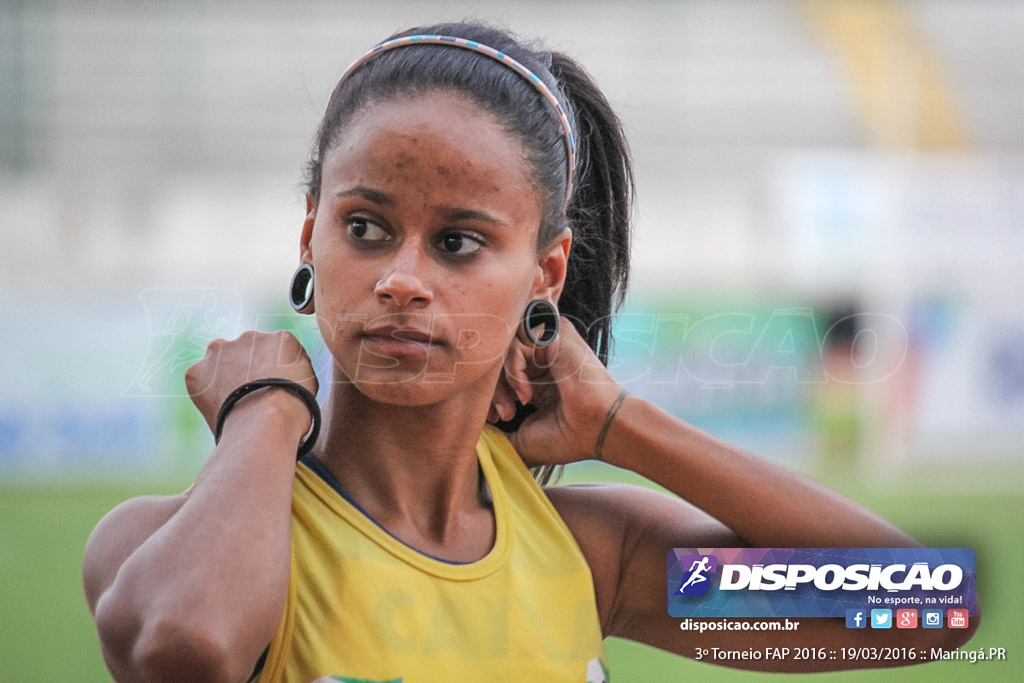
(253, 355)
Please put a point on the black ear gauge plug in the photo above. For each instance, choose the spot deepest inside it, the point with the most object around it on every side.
(540, 323)
(300, 294)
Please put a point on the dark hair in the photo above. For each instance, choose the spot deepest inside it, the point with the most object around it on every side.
(599, 212)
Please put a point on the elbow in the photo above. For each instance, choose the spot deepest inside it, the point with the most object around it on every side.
(118, 630)
(157, 649)
(171, 651)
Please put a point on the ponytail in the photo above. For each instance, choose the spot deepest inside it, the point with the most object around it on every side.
(599, 212)
(599, 217)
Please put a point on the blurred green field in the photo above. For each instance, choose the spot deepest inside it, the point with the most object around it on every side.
(46, 633)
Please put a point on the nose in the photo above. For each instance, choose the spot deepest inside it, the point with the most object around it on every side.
(403, 285)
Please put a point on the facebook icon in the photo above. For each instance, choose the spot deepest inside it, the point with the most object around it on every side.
(856, 618)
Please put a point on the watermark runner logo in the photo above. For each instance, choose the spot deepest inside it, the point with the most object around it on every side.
(839, 582)
(696, 581)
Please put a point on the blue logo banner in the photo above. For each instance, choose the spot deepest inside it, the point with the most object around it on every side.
(818, 582)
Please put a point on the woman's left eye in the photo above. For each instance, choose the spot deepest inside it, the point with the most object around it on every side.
(460, 244)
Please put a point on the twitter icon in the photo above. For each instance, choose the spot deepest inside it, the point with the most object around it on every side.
(881, 618)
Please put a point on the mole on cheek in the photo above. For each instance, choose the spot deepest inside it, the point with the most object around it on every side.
(402, 161)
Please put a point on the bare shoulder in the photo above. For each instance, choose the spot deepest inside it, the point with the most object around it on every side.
(604, 509)
(625, 533)
(119, 534)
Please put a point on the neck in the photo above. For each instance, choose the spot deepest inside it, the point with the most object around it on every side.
(413, 469)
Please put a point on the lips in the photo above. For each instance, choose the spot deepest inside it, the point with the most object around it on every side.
(397, 340)
(404, 333)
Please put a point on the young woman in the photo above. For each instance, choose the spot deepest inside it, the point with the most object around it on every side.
(458, 183)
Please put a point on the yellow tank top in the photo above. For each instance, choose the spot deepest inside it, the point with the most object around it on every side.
(363, 607)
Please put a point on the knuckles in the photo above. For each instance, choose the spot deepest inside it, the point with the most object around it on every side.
(250, 356)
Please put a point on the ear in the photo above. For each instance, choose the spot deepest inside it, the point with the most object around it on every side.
(553, 262)
(305, 241)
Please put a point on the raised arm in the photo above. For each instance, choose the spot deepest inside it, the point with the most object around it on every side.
(724, 497)
(193, 587)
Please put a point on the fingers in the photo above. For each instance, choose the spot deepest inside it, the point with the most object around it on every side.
(516, 374)
(568, 358)
(253, 355)
(572, 391)
(534, 374)
(276, 354)
(503, 404)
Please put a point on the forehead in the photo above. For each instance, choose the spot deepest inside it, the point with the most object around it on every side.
(410, 141)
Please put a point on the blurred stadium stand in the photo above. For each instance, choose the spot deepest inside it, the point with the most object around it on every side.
(790, 155)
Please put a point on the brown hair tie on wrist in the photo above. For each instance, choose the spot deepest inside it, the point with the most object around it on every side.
(295, 388)
(608, 423)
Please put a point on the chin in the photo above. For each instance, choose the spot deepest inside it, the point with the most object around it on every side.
(411, 388)
(409, 394)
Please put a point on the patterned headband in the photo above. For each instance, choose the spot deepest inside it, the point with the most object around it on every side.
(532, 78)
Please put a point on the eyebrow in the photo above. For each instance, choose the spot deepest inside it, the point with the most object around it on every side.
(449, 213)
(375, 196)
(457, 213)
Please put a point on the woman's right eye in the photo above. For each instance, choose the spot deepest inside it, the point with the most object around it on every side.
(366, 230)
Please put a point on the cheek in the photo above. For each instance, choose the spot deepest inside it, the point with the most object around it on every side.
(496, 312)
(339, 285)
(335, 270)
(481, 338)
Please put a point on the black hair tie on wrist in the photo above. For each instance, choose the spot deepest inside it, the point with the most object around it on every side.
(295, 388)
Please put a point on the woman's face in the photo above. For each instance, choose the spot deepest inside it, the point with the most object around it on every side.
(424, 243)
